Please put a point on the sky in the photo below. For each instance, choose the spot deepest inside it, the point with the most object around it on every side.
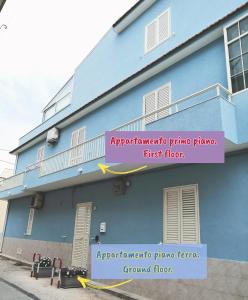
(44, 42)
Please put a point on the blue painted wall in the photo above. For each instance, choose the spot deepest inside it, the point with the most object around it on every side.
(28, 157)
(129, 106)
(137, 217)
(241, 102)
(124, 55)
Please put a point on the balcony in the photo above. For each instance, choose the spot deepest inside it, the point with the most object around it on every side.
(210, 109)
(13, 184)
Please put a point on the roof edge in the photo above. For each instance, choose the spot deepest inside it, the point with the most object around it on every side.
(143, 70)
(132, 14)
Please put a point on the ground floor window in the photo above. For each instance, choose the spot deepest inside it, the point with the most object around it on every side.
(30, 221)
(181, 215)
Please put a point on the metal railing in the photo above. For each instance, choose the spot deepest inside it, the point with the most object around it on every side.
(85, 152)
(12, 182)
(210, 93)
(95, 148)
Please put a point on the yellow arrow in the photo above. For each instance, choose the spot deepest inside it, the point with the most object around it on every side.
(86, 282)
(105, 169)
(83, 281)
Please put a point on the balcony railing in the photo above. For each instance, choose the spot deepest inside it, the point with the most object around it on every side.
(95, 148)
(87, 151)
(12, 182)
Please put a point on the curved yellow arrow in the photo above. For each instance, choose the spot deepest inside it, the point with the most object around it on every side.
(105, 169)
(83, 281)
(86, 282)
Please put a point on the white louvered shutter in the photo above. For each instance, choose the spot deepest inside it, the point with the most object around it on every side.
(163, 99)
(164, 26)
(151, 36)
(30, 221)
(81, 236)
(81, 139)
(78, 137)
(73, 152)
(181, 215)
(189, 216)
(74, 138)
(81, 135)
(40, 158)
(150, 105)
(172, 216)
(41, 154)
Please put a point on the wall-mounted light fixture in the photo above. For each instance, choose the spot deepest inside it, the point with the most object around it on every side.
(80, 171)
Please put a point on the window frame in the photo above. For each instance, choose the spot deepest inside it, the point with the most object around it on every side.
(41, 148)
(55, 107)
(197, 207)
(30, 222)
(157, 31)
(78, 130)
(74, 156)
(156, 118)
(226, 44)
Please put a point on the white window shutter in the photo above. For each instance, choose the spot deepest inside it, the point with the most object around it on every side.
(189, 216)
(151, 36)
(73, 152)
(30, 221)
(81, 135)
(80, 148)
(172, 216)
(181, 215)
(164, 26)
(41, 154)
(78, 137)
(74, 138)
(163, 98)
(150, 105)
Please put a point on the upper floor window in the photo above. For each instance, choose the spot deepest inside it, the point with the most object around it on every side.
(60, 101)
(158, 31)
(41, 154)
(77, 139)
(236, 38)
(154, 101)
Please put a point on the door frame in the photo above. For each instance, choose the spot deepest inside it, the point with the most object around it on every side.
(87, 204)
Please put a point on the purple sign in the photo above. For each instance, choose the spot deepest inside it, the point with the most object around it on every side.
(157, 147)
(149, 261)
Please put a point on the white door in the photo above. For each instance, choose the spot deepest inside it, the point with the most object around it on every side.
(81, 240)
(3, 216)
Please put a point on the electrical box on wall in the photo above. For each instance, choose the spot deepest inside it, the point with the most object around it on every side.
(37, 201)
(119, 187)
(103, 227)
(52, 136)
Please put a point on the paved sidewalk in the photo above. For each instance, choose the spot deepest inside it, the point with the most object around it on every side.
(16, 283)
(9, 293)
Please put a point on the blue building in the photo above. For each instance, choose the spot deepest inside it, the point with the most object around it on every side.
(164, 65)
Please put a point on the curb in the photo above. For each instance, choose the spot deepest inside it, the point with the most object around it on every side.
(121, 293)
